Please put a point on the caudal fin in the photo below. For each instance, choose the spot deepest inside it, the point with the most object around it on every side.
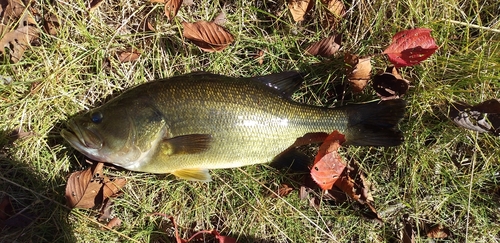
(375, 124)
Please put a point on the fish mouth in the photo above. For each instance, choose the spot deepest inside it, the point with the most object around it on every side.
(83, 139)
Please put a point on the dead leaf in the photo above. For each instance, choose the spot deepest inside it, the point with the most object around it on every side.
(128, 55)
(283, 191)
(328, 164)
(335, 12)
(299, 8)
(51, 24)
(325, 47)
(260, 57)
(358, 71)
(354, 184)
(94, 4)
(114, 222)
(483, 117)
(106, 210)
(17, 41)
(11, 11)
(207, 36)
(89, 188)
(411, 47)
(409, 229)
(220, 19)
(172, 8)
(147, 26)
(388, 86)
(438, 232)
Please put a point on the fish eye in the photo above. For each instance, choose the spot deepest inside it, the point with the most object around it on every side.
(96, 117)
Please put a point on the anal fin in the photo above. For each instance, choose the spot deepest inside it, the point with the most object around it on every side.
(193, 174)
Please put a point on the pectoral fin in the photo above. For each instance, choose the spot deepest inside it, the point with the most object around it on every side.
(187, 144)
(193, 174)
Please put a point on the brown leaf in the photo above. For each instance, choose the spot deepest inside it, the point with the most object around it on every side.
(113, 187)
(129, 55)
(388, 86)
(299, 8)
(354, 184)
(325, 47)
(260, 57)
(336, 10)
(438, 232)
(409, 229)
(94, 4)
(146, 26)
(207, 36)
(83, 187)
(114, 222)
(358, 71)
(12, 10)
(17, 41)
(172, 8)
(90, 187)
(106, 210)
(483, 117)
(283, 191)
(51, 24)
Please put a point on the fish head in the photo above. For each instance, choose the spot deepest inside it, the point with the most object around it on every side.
(122, 134)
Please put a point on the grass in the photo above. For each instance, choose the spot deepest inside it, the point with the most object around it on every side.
(442, 175)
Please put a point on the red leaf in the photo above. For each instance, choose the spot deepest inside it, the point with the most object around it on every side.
(328, 164)
(410, 47)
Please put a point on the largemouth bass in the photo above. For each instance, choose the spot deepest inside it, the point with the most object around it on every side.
(186, 125)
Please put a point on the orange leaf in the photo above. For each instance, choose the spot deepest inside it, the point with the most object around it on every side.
(114, 222)
(325, 47)
(358, 71)
(129, 55)
(172, 8)
(410, 47)
(328, 164)
(299, 8)
(208, 36)
(335, 11)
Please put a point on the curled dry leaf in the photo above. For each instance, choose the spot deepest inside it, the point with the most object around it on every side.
(207, 36)
(336, 10)
(389, 86)
(328, 164)
(283, 191)
(51, 24)
(409, 229)
(299, 8)
(353, 183)
(128, 55)
(483, 117)
(17, 41)
(410, 47)
(89, 188)
(172, 8)
(325, 47)
(358, 71)
(114, 222)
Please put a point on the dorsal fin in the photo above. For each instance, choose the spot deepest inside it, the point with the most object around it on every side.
(285, 82)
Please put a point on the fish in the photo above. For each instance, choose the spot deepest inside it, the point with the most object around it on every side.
(187, 125)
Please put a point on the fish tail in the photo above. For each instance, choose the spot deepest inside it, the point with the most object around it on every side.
(375, 124)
